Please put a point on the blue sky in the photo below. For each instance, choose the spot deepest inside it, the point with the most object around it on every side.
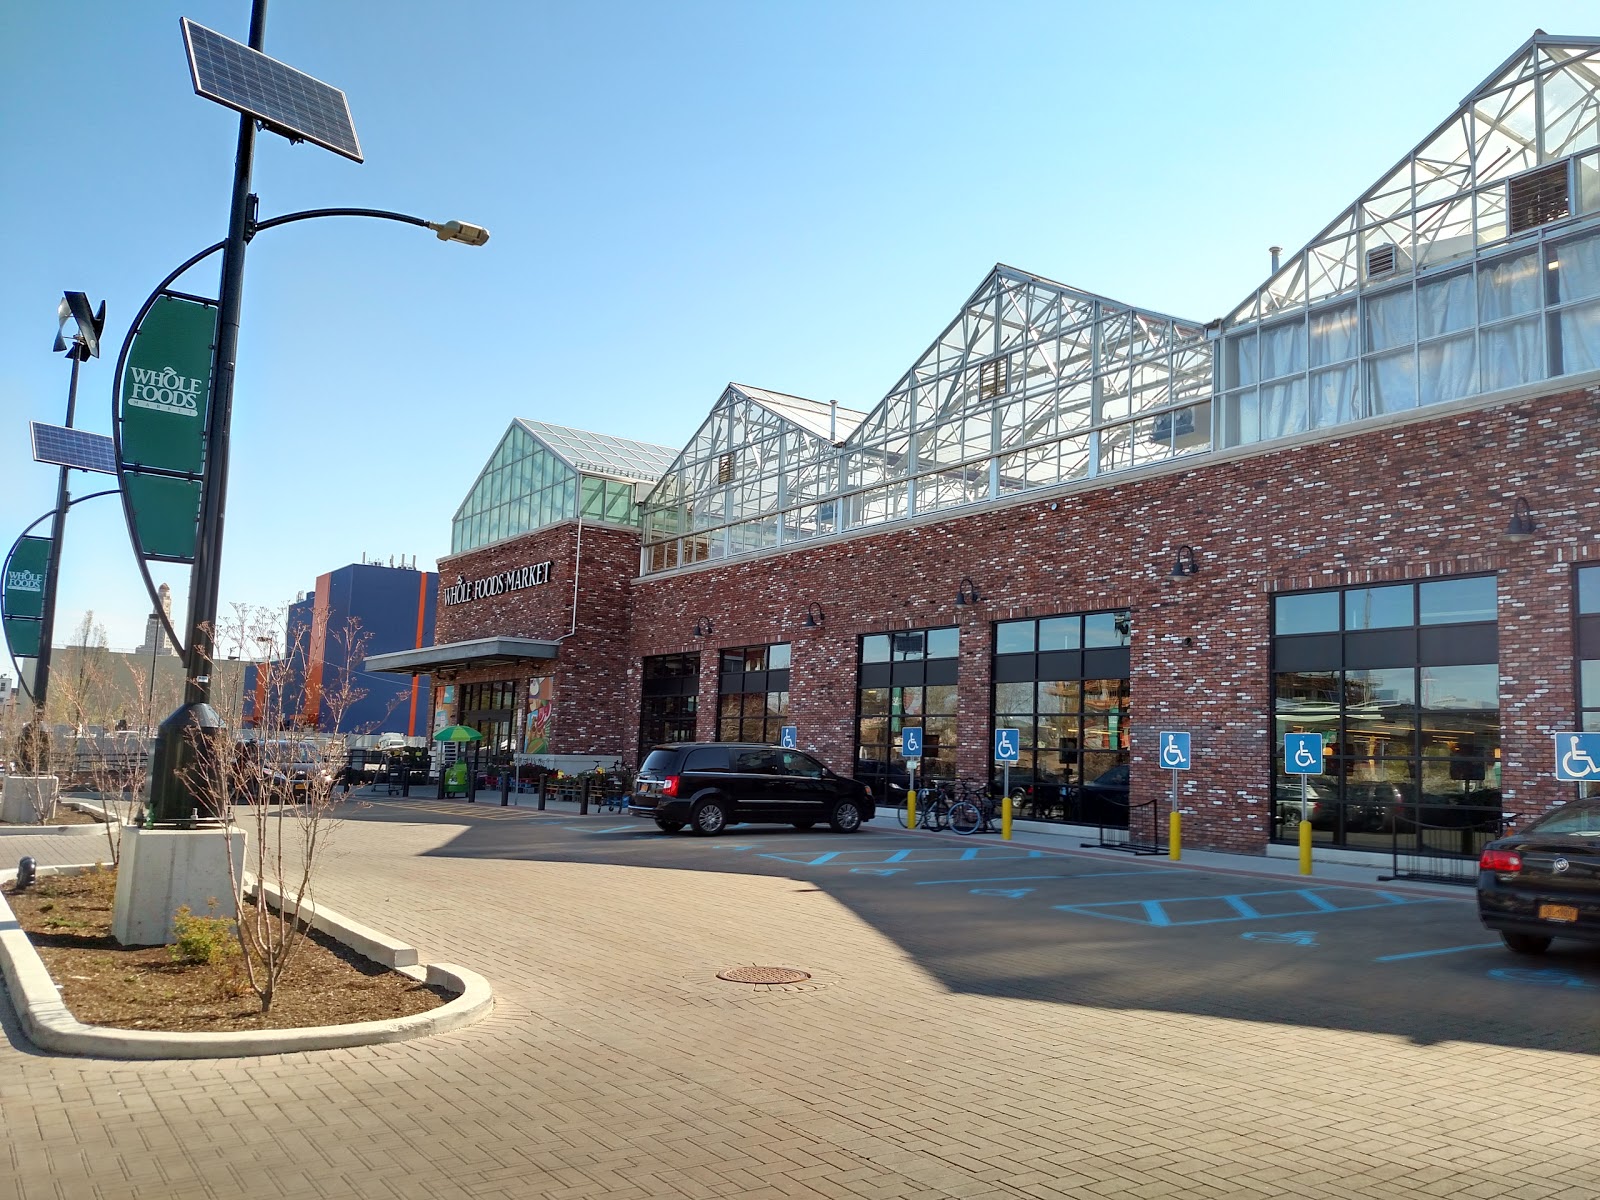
(795, 196)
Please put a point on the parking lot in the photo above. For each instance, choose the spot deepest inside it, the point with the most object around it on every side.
(981, 1021)
(1045, 919)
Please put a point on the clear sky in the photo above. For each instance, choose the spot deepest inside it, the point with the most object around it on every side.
(792, 195)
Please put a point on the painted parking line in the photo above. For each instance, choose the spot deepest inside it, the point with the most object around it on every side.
(1032, 878)
(1431, 953)
(1239, 906)
(928, 854)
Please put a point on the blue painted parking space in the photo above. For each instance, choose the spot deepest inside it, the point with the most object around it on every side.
(1242, 906)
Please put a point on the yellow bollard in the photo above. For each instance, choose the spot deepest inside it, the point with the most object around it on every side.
(1174, 836)
(1005, 819)
(1305, 847)
(911, 808)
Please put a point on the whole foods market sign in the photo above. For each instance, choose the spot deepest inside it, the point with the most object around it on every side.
(464, 590)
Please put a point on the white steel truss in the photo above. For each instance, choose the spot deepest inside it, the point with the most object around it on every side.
(1471, 267)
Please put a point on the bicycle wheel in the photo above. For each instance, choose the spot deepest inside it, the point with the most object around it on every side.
(938, 813)
(965, 818)
(900, 814)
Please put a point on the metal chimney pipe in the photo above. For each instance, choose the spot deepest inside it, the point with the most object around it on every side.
(1275, 251)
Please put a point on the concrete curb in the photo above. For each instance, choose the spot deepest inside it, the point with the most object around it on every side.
(50, 1026)
(84, 806)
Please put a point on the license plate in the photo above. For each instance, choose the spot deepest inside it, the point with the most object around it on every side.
(1557, 912)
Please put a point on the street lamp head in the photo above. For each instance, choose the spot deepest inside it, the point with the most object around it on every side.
(460, 231)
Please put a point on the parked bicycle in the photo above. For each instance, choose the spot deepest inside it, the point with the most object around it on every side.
(933, 808)
(975, 812)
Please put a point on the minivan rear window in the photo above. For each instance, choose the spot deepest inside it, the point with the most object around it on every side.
(658, 761)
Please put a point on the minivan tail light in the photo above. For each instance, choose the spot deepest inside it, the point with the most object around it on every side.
(1507, 862)
(669, 786)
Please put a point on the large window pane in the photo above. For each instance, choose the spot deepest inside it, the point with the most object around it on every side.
(1014, 637)
(1062, 633)
(1105, 630)
(944, 643)
(1306, 612)
(1378, 608)
(1589, 590)
(1512, 354)
(1508, 287)
(1452, 601)
(1461, 687)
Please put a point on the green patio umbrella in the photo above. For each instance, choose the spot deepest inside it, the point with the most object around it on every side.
(458, 733)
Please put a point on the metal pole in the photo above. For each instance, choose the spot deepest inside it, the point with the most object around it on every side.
(196, 728)
(1005, 801)
(58, 530)
(1174, 826)
(1305, 828)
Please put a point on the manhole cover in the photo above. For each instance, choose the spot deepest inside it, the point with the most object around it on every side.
(763, 975)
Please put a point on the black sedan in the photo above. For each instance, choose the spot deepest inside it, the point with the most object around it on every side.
(1543, 882)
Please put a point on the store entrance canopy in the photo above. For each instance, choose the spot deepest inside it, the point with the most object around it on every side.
(481, 652)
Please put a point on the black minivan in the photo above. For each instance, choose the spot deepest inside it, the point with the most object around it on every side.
(711, 785)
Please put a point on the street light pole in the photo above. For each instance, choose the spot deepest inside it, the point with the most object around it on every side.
(58, 531)
(195, 728)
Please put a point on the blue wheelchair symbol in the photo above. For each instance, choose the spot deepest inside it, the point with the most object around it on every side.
(1175, 751)
(1007, 745)
(911, 743)
(1302, 753)
(789, 737)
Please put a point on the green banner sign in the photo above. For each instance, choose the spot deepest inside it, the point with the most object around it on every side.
(166, 389)
(24, 583)
(22, 635)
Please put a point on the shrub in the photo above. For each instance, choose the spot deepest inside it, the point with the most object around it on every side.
(204, 940)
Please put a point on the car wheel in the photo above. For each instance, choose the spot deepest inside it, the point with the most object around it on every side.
(804, 825)
(669, 826)
(708, 818)
(1525, 943)
(846, 817)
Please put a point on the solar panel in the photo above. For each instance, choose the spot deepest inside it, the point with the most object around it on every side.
(76, 448)
(287, 101)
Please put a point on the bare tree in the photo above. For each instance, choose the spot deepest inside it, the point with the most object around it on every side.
(280, 785)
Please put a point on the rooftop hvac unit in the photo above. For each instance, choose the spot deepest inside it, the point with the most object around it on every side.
(1538, 197)
(1180, 429)
(1384, 260)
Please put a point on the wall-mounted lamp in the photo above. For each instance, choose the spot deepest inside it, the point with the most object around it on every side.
(815, 618)
(702, 627)
(1184, 562)
(1520, 528)
(967, 593)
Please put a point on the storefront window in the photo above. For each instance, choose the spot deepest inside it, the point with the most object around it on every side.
(1588, 584)
(1062, 683)
(753, 694)
(670, 700)
(907, 679)
(1402, 682)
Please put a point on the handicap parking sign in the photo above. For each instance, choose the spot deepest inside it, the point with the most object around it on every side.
(1302, 753)
(1007, 745)
(789, 737)
(1175, 751)
(911, 743)
(1578, 757)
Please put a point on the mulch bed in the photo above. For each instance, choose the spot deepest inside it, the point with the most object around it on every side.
(65, 816)
(68, 919)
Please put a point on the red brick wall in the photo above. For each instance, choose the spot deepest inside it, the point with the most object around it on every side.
(594, 713)
(1414, 501)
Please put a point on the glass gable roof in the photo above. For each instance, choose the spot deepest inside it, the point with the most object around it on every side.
(1471, 267)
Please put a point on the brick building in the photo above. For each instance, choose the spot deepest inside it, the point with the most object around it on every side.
(1362, 504)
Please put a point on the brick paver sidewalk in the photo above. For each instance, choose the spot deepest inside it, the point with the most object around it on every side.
(615, 1065)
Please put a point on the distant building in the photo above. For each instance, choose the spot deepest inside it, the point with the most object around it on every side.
(155, 632)
(356, 611)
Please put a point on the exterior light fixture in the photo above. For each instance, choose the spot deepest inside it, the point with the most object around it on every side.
(814, 617)
(702, 627)
(459, 231)
(1184, 563)
(1520, 528)
(967, 593)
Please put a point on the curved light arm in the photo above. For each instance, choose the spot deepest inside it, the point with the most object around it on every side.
(447, 231)
(42, 518)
